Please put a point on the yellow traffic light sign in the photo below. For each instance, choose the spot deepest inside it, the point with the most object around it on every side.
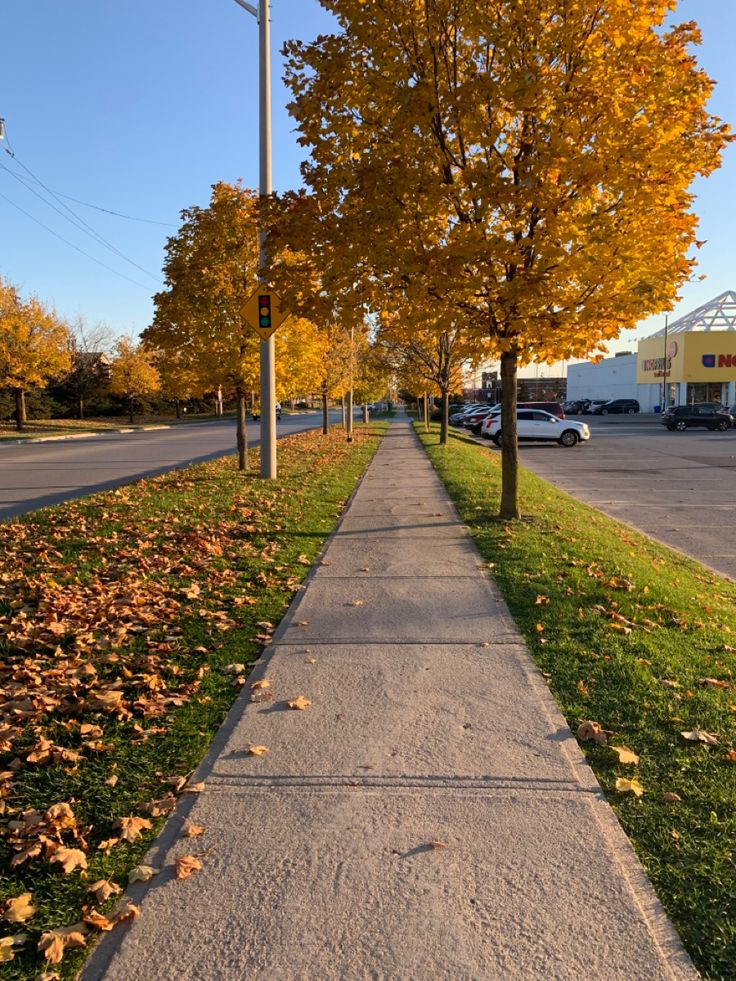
(264, 313)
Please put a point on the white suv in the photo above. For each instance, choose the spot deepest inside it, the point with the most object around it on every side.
(534, 425)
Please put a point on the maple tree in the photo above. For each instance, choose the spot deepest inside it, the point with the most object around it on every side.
(34, 346)
(133, 373)
(210, 271)
(524, 167)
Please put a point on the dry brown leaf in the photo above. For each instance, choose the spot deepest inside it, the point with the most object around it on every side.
(131, 828)
(266, 624)
(731, 756)
(141, 873)
(257, 750)
(302, 623)
(669, 797)
(112, 780)
(259, 685)
(699, 736)
(128, 912)
(624, 754)
(541, 600)
(186, 865)
(300, 702)
(194, 788)
(715, 683)
(19, 909)
(53, 943)
(235, 668)
(70, 859)
(98, 920)
(357, 602)
(437, 844)
(592, 730)
(6, 950)
(103, 889)
(194, 830)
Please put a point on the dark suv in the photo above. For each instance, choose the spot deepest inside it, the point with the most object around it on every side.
(629, 406)
(712, 415)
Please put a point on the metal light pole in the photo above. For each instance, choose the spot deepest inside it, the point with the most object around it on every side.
(664, 365)
(265, 188)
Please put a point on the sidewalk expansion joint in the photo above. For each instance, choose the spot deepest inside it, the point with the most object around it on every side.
(481, 785)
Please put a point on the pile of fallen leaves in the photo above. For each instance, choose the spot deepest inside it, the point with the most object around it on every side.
(119, 617)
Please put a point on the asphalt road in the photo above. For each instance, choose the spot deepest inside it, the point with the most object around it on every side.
(36, 474)
(677, 487)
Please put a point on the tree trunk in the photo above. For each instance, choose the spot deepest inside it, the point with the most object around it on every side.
(242, 436)
(177, 406)
(349, 413)
(80, 408)
(366, 418)
(131, 410)
(509, 441)
(325, 419)
(342, 409)
(445, 421)
(20, 409)
(426, 412)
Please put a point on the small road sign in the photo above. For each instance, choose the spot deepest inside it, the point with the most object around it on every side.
(264, 313)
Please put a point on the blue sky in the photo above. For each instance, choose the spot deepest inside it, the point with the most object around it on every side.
(138, 106)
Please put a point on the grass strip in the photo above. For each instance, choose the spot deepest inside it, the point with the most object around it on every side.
(642, 640)
(128, 621)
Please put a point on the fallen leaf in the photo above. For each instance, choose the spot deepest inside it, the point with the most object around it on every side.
(259, 685)
(266, 624)
(669, 797)
(112, 780)
(300, 702)
(19, 909)
(131, 828)
(592, 730)
(715, 683)
(194, 788)
(624, 786)
(731, 756)
(624, 754)
(357, 602)
(541, 601)
(193, 830)
(128, 912)
(302, 623)
(141, 873)
(258, 750)
(236, 668)
(437, 844)
(70, 859)
(103, 889)
(98, 921)
(6, 950)
(699, 736)
(186, 865)
(53, 943)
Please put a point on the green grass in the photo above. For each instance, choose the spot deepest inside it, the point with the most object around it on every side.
(149, 591)
(569, 574)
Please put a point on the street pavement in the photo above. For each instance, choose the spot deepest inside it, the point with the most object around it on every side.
(676, 487)
(36, 473)
(428, 816)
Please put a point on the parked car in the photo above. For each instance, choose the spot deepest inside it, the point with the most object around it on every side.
(590, 405)
(556, 408)
(474, 419)
(711, 415)
(626, 406)
(256, 413)
(575, 407)
(457, 418)
(535, 425)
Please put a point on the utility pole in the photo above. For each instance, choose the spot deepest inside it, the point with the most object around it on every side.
(269, 468)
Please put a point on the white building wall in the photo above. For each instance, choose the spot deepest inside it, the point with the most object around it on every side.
(612, 378)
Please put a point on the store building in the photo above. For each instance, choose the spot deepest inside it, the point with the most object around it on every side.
(691, 360)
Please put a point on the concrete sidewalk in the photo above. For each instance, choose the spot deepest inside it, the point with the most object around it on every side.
(428, 816)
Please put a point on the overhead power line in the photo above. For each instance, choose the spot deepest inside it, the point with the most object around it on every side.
(72, 245)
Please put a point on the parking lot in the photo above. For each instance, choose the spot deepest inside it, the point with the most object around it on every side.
(678, 487)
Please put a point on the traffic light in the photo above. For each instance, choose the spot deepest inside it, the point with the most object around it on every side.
(264, 311)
